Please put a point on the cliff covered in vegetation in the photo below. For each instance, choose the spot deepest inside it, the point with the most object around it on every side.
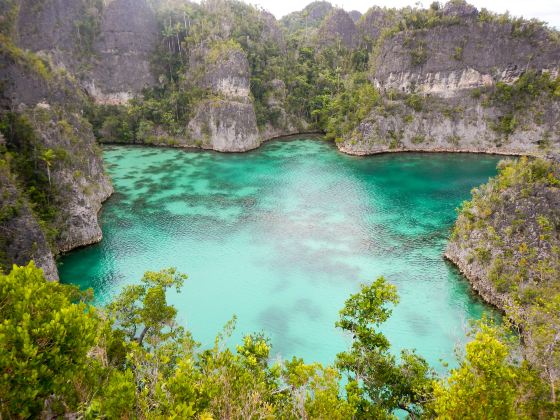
(506, 241)
(53, 178)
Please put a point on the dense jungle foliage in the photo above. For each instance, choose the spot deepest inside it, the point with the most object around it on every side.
(60, 355)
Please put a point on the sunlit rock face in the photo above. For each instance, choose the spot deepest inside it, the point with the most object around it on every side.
(455, 57)
(227, 122)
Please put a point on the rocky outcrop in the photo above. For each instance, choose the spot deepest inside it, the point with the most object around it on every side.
(506, 242)
(310, 17)
(225, 126)
(338, 27)
(437, 83)
(505, 239)
(50, 28)
(227, 121)
(354, 15)
(127, 38)
(77, 172)
(375, 20)
(227, 74)
(281, 124)
(107, 45)
(457, 124)
(463, 55)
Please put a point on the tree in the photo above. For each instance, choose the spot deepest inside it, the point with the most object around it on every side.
(490, 382)
(388, 384)
(143, 308)
(44, 341)
(48, 156)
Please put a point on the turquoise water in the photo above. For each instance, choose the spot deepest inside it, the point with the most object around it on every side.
(283, 235)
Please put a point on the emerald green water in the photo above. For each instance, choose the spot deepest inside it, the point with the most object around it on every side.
(283, 235)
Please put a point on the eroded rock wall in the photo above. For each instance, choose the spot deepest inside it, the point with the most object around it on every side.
(49, 105)
(436, 85)
(21, 237)
(461, 56)
(107, 45)
(127, 38)
(455, 124)
(226, 122)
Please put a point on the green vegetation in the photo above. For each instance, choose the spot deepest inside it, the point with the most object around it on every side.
(515, 99)
(530, 86)
(491, 383)
(340, 114)
(27, 59)
(87, 27)
(9, 10)
(59, 354)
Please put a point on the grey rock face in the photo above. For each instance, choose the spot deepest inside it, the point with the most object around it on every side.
(506, 245)
(80, 179)
(460, 9)
(375, 20)
(449, 58)
(354, 15)
(113, 61)
(272, 33)
(228, 75)
(226, 126)
(443, 65)
(49, 27)
(338, 26)
(310, 17)
(459, 124)
(127, 38)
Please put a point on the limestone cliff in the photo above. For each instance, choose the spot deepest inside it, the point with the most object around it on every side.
(506, 241)
(311, 16)
(54, 162)
(227, 122)
(106, 44)
(128, 35)
(338, 27)
(439, 82)
(21, 237)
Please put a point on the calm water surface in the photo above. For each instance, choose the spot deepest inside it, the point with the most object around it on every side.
(283, 235)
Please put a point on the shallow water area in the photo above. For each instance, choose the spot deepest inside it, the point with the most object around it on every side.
(281, 236)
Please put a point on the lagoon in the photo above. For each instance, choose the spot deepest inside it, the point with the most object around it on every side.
(281, 236)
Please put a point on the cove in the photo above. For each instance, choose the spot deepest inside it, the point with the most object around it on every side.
(281, 237)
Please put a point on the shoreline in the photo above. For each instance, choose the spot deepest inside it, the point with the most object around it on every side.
(318, 135)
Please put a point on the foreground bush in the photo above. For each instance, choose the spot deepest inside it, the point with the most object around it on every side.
(59, 355)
